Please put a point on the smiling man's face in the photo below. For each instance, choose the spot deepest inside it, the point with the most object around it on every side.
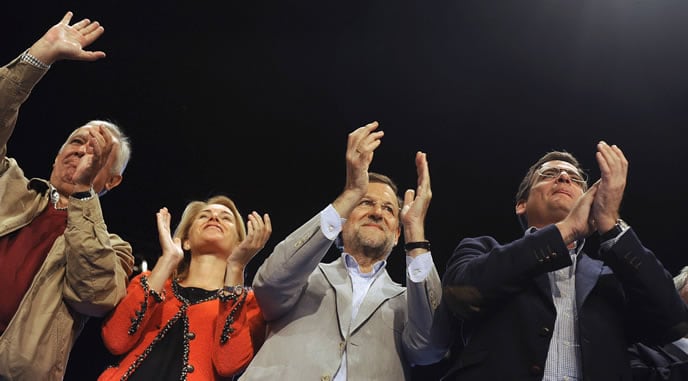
(372, 228)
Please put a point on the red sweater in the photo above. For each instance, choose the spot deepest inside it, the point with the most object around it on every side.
(210, 359)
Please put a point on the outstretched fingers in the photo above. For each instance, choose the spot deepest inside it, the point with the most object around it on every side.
(423, 173)
(163, 219)
(258, 230)
(67, 18)
(364, 140)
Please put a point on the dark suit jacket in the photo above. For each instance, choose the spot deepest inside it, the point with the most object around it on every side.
(505, 312)
(658, 362)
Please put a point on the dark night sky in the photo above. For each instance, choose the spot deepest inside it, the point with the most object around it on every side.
(254, 100)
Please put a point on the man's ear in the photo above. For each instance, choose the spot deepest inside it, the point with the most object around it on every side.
(113, 181)
(520, 207)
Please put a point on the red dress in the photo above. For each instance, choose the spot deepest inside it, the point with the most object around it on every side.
(219, 337)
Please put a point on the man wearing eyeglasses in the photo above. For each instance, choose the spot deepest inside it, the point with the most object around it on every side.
(540, 308)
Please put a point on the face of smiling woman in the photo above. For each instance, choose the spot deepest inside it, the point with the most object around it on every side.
(213, 230)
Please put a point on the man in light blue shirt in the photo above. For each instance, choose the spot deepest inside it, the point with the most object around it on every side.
(347, 319)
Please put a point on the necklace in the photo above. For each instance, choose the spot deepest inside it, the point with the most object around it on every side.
(177, 290)
(55, 198)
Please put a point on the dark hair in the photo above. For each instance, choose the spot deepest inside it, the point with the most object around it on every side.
(374, 177)
(528, 180)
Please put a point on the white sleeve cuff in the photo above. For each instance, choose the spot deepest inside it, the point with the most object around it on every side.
(330, 222)
(419, 267)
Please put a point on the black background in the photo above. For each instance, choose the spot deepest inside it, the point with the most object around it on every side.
(254, 100)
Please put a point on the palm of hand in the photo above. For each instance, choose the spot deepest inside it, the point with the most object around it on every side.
(246, 250)
(86, 170)
(67, 39)
(171, 247)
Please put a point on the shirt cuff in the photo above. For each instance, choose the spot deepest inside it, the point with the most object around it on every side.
(33, 61)
(419, 267)
(330, 222)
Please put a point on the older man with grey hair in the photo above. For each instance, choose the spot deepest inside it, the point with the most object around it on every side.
(59, 265)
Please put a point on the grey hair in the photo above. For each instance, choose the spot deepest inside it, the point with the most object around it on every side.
(124, 153)
(124, 146)
(681, 278)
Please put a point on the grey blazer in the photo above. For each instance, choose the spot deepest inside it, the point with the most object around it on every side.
(308, 308)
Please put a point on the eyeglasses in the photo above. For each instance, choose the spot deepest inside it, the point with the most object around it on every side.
(554, 173)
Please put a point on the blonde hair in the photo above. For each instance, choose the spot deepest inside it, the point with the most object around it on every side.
(190, 213)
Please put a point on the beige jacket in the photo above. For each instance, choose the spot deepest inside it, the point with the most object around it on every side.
(85, 273)
(307, 305)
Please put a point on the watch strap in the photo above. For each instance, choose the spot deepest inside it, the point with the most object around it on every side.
(619, 227)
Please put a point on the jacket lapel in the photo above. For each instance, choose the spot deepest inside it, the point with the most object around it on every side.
(587, 272)
(336, 275)
(382, 289)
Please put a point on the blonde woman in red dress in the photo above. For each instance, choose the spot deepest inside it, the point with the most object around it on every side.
(191, 318)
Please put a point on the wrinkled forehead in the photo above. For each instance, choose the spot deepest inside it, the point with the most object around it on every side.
(559, 164)
(382, 192)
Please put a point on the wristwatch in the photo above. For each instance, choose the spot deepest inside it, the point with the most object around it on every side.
(619, 227)
(227, 293)
(84, 196)
(234, 290)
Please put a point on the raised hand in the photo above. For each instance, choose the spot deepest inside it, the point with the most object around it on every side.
(579, 223)
(63, 41)
(172, 253)
(613, 171)
(96, 151)
(171, 247)
(416, 202)
(361, 145)
(258, 232)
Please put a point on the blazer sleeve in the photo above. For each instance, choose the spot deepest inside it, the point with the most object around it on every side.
(17, 79)
(481, 273)
(98, 263)
(656, 312)
(423, 299)
(283, 276)
(654, 363)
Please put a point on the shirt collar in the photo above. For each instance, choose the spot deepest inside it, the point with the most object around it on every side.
(353, 267)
